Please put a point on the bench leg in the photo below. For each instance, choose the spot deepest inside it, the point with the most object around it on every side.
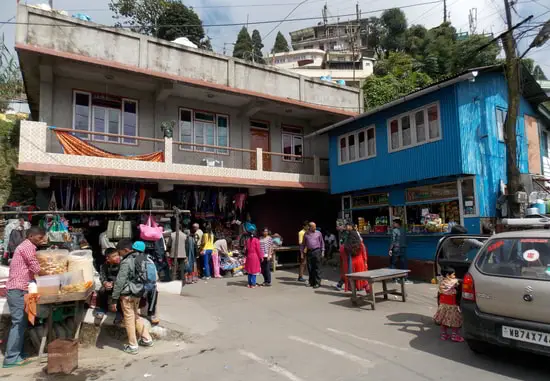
(373, 296)
(385, 289)
(274, 261)
(353, 293)
(403, 294)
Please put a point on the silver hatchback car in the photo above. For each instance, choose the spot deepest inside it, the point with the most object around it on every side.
(506, 293)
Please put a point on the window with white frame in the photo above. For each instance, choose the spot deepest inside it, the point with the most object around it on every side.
(357, 145)
(106, 114)
(203, 128)
(416, 127)
(501, 119)
(293, 143)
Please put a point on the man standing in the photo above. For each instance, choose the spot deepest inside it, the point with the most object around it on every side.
(303, 259)
(181, 254)
(23, 267)
(197, 235)
(314, 245)
(398, 247)
(128, 289)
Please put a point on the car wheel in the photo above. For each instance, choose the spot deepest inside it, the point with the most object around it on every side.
(477, 346)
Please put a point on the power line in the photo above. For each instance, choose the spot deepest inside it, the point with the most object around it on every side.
(220, 25)
(286, 17)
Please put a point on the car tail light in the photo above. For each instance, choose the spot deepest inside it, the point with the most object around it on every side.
(468, 288)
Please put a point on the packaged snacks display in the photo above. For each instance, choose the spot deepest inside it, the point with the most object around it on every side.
(82, 261)
(78, 287)
(52, 261)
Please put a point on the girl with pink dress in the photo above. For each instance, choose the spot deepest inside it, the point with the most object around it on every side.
(254, 258)
(448, 313)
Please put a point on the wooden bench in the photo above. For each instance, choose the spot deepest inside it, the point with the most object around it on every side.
(379, 275)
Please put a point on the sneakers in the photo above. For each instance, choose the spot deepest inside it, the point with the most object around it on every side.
(154, 320)
(145, 343)
(266, 284)
(338, 286)
(316, 286)
(301, 279)
(131, 350)
(17, 363)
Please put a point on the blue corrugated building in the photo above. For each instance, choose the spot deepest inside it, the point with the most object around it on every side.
(433, 158)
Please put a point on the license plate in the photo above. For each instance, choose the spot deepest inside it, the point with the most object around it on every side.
(526, 335)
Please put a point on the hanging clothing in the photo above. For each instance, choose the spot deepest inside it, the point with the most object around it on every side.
(240, 199)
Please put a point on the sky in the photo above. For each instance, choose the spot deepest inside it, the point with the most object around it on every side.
(490, 17)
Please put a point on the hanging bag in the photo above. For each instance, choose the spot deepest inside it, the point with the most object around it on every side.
(150, 231)
(117, 230)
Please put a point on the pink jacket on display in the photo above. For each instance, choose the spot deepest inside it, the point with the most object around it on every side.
(254, 256)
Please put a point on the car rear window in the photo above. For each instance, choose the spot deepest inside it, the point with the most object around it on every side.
(516, 257)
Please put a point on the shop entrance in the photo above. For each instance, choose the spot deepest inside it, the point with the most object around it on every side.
(259, 138)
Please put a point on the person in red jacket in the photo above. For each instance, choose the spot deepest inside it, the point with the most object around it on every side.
(254, 257)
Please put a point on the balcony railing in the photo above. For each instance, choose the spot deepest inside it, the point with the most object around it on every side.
(205, 154)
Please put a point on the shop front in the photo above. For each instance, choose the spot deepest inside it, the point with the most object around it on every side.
(428, 211)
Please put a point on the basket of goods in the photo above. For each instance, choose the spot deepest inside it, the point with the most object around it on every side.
(52, 261)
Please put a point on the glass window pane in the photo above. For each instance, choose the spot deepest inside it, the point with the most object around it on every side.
(82, 114)
(205, 116)
(223, 132)
(99, 122)
(186, 129)
(199, 134)
(351, 147)
(394, 133)
(114, 124)
(210, 136)
(371, 142)
(298, 147)
(130, 121)
(406, 131)
(420, 126)
(433, 121)
(362, 144)
(468, 197)
(501, 118)
(343, 150)
(287, 146)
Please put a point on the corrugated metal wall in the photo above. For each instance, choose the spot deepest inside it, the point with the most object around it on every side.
(436, 159)
(482, 152)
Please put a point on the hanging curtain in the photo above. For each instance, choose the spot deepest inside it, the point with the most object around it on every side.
(72, 145)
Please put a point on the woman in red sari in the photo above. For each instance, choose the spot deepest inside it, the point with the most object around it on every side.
(353, 252)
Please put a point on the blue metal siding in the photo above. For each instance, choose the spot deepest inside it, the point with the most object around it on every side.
(431, 160)
(482, 152)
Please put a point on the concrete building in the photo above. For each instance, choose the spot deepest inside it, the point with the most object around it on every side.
(334, 66)
(237, 124)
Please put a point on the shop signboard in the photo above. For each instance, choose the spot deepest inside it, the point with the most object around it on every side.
(443, 191)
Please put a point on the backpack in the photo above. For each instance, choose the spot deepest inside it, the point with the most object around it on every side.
(145, 275)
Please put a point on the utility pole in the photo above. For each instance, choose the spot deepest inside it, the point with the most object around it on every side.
(511, 68)
(444, 11)
(51, 4)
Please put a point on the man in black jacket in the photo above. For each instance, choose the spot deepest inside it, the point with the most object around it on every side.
(107, 276)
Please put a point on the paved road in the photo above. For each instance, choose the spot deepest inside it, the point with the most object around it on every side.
(293, 333)
(290, 332)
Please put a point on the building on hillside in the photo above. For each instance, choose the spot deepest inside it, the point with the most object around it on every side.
(437, 153)
(344, 67)
(237, 125)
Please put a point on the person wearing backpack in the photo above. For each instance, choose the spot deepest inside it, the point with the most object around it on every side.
(131, 284)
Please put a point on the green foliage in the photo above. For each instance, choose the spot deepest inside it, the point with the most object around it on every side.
(538, 73)
(11, 83)
(375, 32)
(281, 44)
(468, 55)
(415, 40)
(243, 47)
(177, 20)
(257, 47)
(439, 51)
(166, 19)
(395, 23)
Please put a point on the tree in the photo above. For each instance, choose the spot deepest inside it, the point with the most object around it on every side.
(243, 47)
(11, 83)
(281, 44)
(415, 41)
(439, 53)
(467, 53)
(166, 19)
(257, 47)
(375, 32)
(177, 20)
(395, 22)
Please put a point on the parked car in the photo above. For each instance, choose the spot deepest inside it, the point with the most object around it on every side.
(506, 293)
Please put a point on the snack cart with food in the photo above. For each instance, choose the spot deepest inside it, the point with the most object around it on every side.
(65, 281)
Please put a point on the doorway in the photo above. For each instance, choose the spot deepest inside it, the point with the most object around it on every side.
(259, 138)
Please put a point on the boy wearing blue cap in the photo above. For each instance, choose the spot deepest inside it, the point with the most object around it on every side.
(128, 290)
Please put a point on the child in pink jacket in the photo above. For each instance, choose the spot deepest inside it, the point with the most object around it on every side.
(254, 258)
